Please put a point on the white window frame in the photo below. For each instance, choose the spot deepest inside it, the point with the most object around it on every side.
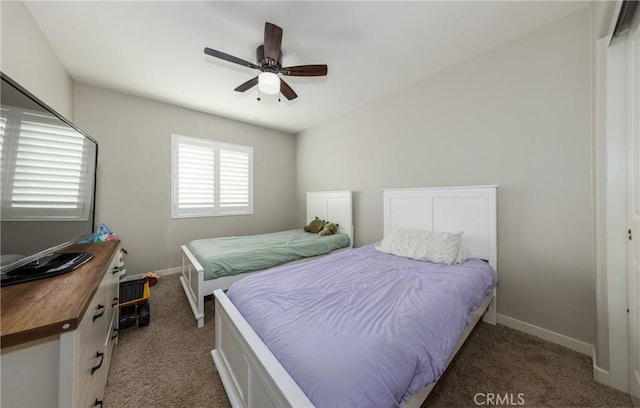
(214, 208)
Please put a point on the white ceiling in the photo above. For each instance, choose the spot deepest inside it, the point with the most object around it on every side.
(155, 49)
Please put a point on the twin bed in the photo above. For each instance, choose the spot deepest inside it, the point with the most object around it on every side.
(362, 327)
(216, 263)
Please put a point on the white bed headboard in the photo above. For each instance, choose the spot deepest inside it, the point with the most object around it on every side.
(448, 209)
(332, 206)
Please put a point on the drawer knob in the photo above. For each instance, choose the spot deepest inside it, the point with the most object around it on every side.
(94, 369)
(116, 269)
(97, 403)
(115, 302)
(115, 333)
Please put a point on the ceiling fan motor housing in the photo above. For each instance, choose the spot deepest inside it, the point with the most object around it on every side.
(264, 62)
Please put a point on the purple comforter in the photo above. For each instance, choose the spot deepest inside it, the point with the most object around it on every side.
(362, 328)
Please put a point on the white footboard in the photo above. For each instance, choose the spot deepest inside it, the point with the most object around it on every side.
(192, 280)
(251, 375)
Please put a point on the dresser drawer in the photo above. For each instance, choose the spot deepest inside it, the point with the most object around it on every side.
(93, 326)
(92, 392)
(92, 372)
(110, 340)
(111, 298)
(91, 334)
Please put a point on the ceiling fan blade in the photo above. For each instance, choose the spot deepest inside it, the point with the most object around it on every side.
(247, 85)
(272, 41)
(230, 58)
(286, 90)
(305, 70)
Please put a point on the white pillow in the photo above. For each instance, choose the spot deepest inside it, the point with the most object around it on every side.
(463, 254)
(439, 247)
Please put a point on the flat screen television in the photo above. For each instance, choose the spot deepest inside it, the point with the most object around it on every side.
(47, 179)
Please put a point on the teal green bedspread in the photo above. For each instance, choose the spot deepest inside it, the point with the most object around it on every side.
(233, 255)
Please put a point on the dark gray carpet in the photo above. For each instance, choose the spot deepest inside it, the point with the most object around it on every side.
(168, 364)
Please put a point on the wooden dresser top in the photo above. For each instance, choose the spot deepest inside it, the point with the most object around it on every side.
(42, 308)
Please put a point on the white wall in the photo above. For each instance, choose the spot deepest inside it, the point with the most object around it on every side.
(27, 57)
(517, 116)
(134, 174)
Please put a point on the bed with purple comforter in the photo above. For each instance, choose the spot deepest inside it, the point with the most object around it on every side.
(363, 328)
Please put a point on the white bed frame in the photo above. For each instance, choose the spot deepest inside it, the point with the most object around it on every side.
(333, 206)
(253, 377)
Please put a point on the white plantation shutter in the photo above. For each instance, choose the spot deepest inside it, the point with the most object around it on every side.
(4, 154)
(50, 178)
(210, 178)
(196, 176)
(3, 126)
(3, 161)
(235, 167)
(48, 165)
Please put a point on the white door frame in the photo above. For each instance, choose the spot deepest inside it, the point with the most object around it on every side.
(633, 204)
(616, 215)
(612, 110)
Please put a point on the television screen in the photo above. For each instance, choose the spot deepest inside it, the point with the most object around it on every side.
(47, 179)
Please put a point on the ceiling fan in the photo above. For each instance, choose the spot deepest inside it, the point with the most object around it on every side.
(269, 62)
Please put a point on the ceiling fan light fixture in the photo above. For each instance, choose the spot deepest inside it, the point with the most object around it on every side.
(269, 83)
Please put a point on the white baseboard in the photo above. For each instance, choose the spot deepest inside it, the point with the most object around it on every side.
(169, 271)
(599, 374)
(557, 338)
(162, 272)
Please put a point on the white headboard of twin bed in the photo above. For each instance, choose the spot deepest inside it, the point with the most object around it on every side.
(332, 206)
(448, 209)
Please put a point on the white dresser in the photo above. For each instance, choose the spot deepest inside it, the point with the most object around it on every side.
(58, 333)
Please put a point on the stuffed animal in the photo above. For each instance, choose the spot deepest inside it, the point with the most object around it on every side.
(151, 277)
(102, 234)
(315, 226)
(329, 229)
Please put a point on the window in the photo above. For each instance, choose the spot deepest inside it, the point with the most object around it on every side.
(45, 168)
(210, 178)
